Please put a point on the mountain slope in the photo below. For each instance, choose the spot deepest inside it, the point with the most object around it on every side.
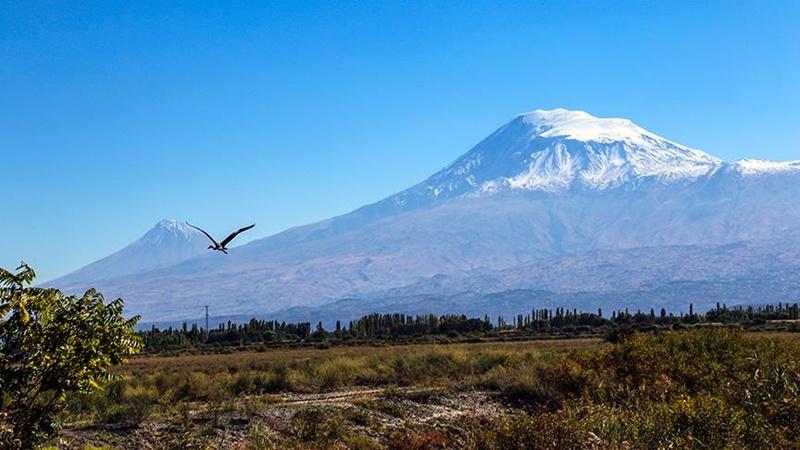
(547, 184)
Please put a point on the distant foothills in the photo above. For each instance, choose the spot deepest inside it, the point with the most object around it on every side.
(554, 209)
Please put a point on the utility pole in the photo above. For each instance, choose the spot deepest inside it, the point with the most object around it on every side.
(207, 322)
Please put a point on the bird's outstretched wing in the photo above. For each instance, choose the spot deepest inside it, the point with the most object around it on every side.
(204, 232)
(234, 234)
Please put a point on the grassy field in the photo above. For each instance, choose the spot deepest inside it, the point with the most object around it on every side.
(705, 388)
(147, 363)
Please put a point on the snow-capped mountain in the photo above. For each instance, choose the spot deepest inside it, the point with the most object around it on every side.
(546, 185)
(561, 150)
(167, 243)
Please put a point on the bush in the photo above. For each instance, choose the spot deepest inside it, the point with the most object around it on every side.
(243, 383)
(316, 426)
(53, 347)
(617, 334)
(274, 381)
(194, 386)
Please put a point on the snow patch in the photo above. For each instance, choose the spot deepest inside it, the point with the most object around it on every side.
(758, 166)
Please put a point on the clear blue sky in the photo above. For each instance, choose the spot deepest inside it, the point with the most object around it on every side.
(114, 115)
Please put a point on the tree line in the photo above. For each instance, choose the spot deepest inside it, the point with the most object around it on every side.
(387, 326)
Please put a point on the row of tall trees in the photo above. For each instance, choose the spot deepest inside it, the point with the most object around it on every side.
(404, 325)
(556, 320)
(262, 331)
(253, 331)
(781, 311)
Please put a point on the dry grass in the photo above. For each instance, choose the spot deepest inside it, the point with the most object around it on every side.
(708, 387)
(286, 355)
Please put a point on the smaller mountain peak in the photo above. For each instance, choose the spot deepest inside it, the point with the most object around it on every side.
(168, 242)
(174, 227)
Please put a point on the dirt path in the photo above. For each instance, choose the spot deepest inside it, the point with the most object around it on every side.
(372, 412)
(346, 396)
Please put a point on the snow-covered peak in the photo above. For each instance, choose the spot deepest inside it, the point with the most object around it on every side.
(582, 126)
(166, 230)
(560, 149)
(543, 120)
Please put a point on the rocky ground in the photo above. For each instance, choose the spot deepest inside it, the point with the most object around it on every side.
(360, 418)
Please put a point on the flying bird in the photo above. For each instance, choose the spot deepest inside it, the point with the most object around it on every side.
(220, 246)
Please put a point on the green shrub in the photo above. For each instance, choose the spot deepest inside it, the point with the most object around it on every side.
(317, 426)
(243, 383)
(193, 386)
(125, 404)
(53, 347)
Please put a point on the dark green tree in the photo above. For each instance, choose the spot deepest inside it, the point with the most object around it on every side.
(52, 345)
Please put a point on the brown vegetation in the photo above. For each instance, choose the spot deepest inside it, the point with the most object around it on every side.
(704, 388)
